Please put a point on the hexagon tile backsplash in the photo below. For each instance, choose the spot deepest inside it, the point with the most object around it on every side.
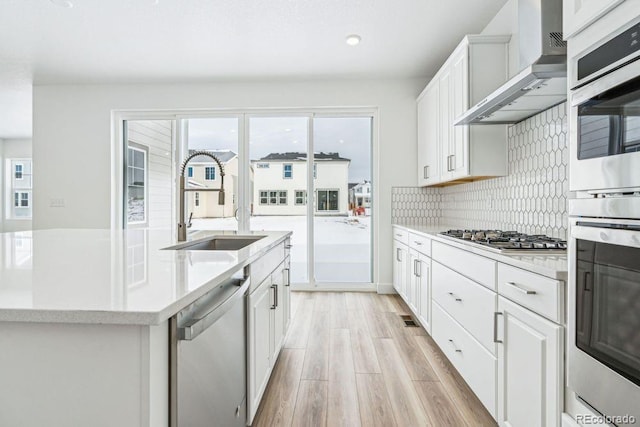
(531, 199)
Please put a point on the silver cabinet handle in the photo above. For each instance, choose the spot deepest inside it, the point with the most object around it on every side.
(521, 289)
(455, 297)
(398, 252)
(425, 172)
(288, 270)
(453, 162)
(275, 296)
(398, 235)
(455, 347)
(417, 243)
(495, 327)
(418, 268)
(288, 246)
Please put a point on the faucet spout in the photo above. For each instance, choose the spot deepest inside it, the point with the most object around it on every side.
(182, 207)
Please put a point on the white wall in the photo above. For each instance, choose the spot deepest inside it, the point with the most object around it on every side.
(72, 126)
(13, 149)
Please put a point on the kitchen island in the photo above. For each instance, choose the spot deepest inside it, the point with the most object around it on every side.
(84, 320)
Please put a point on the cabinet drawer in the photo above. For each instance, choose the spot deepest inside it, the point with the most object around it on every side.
(420, 243)
(476, 365)
(538, 293)
(467, 302)
(264, 266)
(401, 235)
(475, 267)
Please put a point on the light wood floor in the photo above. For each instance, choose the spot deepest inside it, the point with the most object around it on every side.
(348, 360)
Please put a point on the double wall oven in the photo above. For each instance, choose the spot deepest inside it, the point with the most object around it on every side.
(604, 245)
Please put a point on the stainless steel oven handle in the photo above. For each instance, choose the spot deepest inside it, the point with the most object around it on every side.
(595, 230)
(191, 330)
(519, 288)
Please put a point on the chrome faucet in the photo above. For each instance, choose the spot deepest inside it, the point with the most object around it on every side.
(182, 227)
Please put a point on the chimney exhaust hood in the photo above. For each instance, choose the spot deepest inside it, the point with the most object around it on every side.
(542, 81)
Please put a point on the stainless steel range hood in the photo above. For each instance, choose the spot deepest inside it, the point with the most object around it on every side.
(542, 81)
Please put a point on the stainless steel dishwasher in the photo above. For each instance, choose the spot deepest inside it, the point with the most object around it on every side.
(208, 359)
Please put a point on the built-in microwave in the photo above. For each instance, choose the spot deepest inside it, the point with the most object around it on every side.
(604, 306)
(605, 117)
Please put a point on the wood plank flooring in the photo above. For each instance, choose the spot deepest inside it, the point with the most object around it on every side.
(348, 360)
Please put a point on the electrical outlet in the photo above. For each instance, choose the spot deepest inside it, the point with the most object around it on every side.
(56, 203)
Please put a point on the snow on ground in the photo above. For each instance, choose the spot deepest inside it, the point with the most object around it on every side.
(342, 244)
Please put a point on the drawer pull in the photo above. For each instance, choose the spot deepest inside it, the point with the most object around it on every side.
(495, 327)
(417, 243)
(455, 297)
(398, 235)
(455, 347)
(288, 246)
(521, 289)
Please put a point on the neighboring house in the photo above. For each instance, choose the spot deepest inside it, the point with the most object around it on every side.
(203, 172)
(280, 184)
(360, 195)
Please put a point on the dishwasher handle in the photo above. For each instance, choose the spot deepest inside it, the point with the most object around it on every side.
(191, 330)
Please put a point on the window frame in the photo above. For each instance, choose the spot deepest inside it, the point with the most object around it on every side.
(15, 171)
(189, 171)
(302, 197)
(263, 195)
(273, 197)
(17, 202)
(145, 151)
(327, 190)
(206, 173)
(196, 199)
(284, 170)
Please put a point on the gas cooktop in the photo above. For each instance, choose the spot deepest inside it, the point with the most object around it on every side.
(509, 241)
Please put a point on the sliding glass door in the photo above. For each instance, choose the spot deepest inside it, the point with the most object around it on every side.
(270, 180)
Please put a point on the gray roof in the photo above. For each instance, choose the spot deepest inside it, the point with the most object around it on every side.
(223, 155)
(302, 156)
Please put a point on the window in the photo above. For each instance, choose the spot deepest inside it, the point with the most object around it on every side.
(18, 167)
(273, 197)
(368, 190)
(327, 200)
(197, 199)
(264, 197)
(19, 189)
(209, 173)
(21, 200)
(315, 170)
(136, 184)
(287, 170)
(301, 197)
(190, 172)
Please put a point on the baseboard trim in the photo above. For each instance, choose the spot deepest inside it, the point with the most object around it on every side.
(386, 288)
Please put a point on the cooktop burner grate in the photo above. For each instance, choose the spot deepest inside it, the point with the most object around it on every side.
(503, 241)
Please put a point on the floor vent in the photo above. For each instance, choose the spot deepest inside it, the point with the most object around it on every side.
(408, 321)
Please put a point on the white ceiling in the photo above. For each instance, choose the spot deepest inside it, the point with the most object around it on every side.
(100, 41)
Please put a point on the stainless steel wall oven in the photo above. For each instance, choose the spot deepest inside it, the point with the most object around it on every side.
(604, 228)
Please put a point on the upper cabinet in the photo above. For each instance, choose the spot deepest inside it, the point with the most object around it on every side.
(448, 153)
(578, 14)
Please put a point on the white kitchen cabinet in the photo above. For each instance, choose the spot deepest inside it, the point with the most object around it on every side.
(260, 342)
(286, 297)
(428, 131)
(277, 311)
(414, 281)
(424, 286)
(448, 153)
(530, 367)
(400, 265)
(579, 14)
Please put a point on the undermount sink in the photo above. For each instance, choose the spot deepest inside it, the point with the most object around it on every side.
(219, 243)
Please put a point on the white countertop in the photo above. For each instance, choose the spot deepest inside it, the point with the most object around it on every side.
(549, 265)
(117, 277)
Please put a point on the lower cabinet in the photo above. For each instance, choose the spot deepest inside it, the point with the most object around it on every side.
(400, 263)
(269, 318)
(476, 365)
(419, 287)
(530, 367)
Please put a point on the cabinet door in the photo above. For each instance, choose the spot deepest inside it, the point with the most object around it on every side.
(277, 312)
(578, 14)
(286, 297)
(445, 123)
(259, 343)
(424, 307)
(428, 130)
(400, 268)
(459, 151)
(530, 368)
(413, 281)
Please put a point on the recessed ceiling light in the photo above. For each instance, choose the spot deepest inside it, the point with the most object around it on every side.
(63, 3)
(353, 39)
